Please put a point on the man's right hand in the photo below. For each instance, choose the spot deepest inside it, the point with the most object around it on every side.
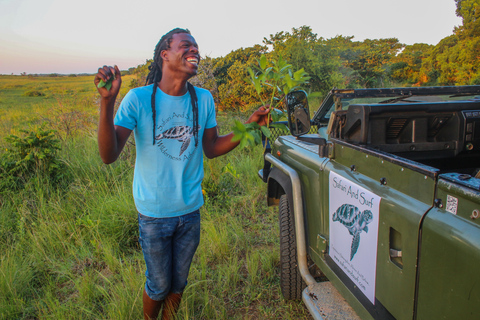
(105, 74)
(111, 138)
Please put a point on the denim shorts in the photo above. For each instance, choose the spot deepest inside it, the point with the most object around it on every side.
(168, 246)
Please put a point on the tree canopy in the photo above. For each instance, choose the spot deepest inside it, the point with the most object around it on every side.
(343, 62)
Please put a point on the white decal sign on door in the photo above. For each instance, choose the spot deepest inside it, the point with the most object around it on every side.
(354, 217)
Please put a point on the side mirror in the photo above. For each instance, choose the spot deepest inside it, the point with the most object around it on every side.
(298, 113)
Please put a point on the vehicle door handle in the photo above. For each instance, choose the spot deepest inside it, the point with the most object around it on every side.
(395, 253)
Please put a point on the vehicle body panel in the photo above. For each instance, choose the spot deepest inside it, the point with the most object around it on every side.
(449, 285)
(405, 197)
(393, 223)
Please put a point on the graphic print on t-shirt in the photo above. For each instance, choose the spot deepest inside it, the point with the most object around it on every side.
(175, 128)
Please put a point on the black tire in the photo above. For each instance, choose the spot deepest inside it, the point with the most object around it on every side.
(291, 282)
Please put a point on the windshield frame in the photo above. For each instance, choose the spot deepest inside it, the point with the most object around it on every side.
(336, 96)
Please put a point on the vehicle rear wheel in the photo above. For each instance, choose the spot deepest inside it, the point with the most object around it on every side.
(291, 282)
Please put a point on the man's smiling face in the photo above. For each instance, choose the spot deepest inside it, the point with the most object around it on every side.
(182, 56)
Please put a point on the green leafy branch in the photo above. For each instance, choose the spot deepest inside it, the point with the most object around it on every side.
(276, 77)
(107, 84)
(272, 79)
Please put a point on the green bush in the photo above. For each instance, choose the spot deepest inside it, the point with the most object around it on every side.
(33, 154)
(34, 93)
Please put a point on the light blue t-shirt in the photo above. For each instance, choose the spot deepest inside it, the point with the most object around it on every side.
(168, 174)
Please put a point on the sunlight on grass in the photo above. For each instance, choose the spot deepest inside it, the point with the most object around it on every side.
(71, 249)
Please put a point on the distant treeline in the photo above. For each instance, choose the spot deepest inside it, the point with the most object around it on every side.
(343, 63)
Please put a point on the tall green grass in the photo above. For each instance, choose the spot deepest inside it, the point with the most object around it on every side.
(58, 100)
(70, 251)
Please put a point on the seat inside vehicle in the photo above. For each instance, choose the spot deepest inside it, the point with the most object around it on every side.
(445, 135)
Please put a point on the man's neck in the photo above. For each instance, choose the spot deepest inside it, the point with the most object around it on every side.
(172, 86)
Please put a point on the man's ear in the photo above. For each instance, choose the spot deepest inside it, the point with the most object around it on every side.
(164, 55)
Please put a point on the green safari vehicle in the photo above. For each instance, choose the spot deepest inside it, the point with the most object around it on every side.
(379, 203)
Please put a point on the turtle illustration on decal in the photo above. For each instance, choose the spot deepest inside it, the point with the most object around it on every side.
(355, 221)
(180, 133)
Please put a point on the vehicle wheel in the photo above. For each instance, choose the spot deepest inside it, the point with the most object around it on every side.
(291, 282)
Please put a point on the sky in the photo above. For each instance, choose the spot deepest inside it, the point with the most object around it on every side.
(64, 36)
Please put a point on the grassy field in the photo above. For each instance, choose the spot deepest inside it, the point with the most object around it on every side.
(70, 250)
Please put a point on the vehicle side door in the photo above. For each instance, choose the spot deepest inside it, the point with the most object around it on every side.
(376, 203)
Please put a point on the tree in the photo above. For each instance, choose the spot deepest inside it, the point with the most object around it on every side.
(369, 58)
(234, 91)
(205, 76)
(244, 56)
(303, 50)
(405, 67)
(455, 60)
(469, 11)
(141, 72)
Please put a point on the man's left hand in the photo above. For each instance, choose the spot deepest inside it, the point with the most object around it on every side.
(260, 116)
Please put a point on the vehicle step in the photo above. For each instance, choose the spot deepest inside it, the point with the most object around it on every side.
(325, 303)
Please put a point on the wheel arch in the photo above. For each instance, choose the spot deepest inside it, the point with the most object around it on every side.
(278, 184)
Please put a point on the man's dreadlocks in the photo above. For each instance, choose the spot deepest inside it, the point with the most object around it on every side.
(155, 75)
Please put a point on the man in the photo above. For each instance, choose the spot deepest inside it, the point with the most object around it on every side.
(172, 122)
